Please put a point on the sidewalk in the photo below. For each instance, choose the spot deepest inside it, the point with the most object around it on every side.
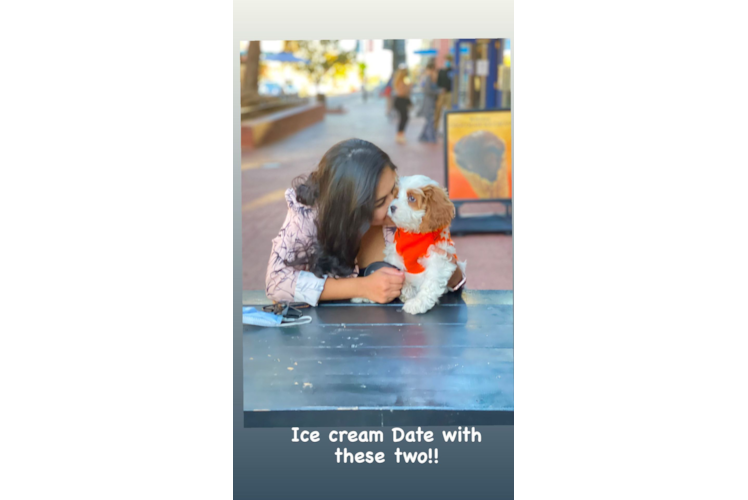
(269, 170)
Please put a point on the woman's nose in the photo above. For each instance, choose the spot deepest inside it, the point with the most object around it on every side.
(392, 209)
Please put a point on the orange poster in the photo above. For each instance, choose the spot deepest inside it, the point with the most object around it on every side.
(479, 155)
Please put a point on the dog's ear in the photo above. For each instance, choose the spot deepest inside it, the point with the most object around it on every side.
(439, 209)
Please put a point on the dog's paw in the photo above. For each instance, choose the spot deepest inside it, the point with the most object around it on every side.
(415, 306)
(361, 300)
(407, 293)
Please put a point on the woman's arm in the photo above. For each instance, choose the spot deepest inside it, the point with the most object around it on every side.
(343, 288)
(382, 287)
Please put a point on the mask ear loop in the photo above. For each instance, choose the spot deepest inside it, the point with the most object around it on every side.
(294, 322)
(291, 312)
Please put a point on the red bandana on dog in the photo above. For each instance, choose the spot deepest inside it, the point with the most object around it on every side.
(413, 246)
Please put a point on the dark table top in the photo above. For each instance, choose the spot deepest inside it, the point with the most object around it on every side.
(364, 364)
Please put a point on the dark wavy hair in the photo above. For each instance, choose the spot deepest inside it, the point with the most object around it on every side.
(343, 190)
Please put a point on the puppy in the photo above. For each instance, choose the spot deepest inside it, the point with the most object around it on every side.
(423, 247)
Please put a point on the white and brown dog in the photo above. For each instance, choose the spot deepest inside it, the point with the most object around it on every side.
(423, 247)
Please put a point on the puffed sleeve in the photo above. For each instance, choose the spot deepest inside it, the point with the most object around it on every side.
(284, 283)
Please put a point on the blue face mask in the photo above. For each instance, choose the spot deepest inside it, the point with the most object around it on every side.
(447, 64)
(251, 316)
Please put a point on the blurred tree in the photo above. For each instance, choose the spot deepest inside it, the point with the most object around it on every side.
(250, 89)
(290, 46)
(323, 56)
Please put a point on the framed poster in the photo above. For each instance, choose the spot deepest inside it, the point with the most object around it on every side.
(478, 155)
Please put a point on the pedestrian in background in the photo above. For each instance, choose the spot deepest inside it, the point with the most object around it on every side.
(428, 108)
(444, 82)
(402, 87)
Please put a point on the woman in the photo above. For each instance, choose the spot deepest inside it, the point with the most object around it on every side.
(402, 101)
(428, 110)
(337, 225)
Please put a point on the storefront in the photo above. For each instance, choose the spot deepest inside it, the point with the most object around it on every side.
(482, 78)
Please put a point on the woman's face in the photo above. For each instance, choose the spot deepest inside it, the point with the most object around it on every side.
(384, 196)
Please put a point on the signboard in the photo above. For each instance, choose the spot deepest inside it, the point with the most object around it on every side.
(481, 67)
(479, 154)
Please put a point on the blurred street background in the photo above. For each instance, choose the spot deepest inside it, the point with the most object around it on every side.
(301, 97)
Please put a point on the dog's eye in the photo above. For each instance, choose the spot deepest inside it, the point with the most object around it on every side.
(411, 199)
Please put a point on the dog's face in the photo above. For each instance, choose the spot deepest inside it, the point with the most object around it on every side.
(421, 205)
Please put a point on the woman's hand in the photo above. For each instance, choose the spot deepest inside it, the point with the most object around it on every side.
(384, 286)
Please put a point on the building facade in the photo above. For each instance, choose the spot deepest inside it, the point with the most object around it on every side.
(482, 77)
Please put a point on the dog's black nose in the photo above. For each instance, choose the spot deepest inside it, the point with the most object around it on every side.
(393, 208)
